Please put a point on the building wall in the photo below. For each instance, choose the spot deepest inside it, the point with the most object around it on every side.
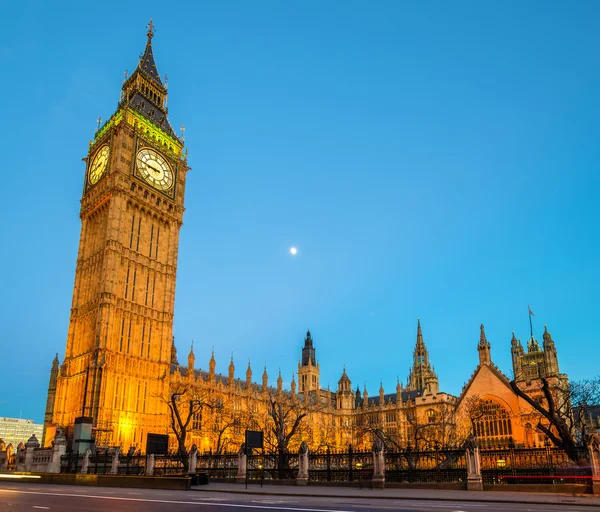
(17, 430)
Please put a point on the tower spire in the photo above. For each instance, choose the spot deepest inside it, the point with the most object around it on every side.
(147, 65)
(483, 348)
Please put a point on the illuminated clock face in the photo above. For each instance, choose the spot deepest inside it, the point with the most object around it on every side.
(154, 169)
(99, 164)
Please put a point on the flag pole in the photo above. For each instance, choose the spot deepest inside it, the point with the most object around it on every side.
(530, 324)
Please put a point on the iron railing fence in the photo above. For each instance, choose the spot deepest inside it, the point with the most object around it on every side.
(71, 462)
(222, 466)
(546, 465)
(498, 466)
(168, 465)
(133, 464)
(350, 466)
(426, 466)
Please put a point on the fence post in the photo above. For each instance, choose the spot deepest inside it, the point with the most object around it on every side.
(59, 448)
(85, 462)
(30, 446)
(378, 480)
(302, 477)
(150, 464)
(594, 450)
(114, 466)
(474, 480)
(240, 477)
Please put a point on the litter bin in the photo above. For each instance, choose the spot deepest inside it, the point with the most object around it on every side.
(202, 478)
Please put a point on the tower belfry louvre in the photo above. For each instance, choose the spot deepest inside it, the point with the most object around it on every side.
(119, 341)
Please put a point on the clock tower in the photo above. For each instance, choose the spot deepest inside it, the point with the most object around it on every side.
(118, 353)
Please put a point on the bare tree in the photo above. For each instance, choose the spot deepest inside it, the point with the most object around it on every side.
(286, 420)
(184, 402)
(562, 409)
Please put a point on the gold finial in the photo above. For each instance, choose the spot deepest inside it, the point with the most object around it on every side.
(125, 76)
(182, 133)
(99, 121)
(150, 32)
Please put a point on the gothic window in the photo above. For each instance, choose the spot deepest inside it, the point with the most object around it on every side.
(492, 424)
(197, 421)
(431, 416)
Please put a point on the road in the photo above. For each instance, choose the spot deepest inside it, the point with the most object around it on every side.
(31, 497)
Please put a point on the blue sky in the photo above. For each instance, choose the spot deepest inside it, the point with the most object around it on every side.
(428, 159)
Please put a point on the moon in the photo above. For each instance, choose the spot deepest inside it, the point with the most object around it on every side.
(293, 251)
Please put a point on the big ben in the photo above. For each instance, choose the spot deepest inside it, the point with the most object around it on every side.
(118, 351)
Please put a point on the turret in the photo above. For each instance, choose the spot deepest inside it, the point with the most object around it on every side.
(293, 387)
(516, 353)
(279, 382)
(308, 368)
(212, 364)
(550, 355)
(231, 375)
(365, 396)
(484, 348)
(421, 376)
(381, 394)
(344, 394)
(265, 380)
(50, 399)
(173, 352)
(248, 377)
(308, 351)
(191, 360)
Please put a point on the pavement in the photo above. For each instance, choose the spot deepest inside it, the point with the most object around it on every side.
(26, 496)
(403, 494)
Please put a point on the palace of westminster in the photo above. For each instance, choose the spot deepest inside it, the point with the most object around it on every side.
(120, 363)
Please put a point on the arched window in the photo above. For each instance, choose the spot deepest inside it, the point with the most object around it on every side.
(431, 416)
(492, 423)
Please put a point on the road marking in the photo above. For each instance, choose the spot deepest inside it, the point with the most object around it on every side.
(43, 508)
(146, 500)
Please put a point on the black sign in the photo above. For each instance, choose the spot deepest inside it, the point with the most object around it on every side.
(157, 443)
(254, 439)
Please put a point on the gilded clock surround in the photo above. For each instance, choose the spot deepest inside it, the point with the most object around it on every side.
(99, 164)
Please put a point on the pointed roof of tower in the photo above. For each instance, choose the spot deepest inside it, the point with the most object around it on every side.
(173, 351)
(420, 343)
(147, 66)
(191, 356)
(344, 377)
(55, 361)
(547, 335)
(308, 341)
(483, 342)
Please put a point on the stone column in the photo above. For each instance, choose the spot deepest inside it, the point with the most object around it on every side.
(474, 481)
(150, 464)
(114, 467)
(59, 448)
(594, 451)
(240, 478)
(31, 444)
(85, 462)
(193, 459)
(378, 465)
(302, 477)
